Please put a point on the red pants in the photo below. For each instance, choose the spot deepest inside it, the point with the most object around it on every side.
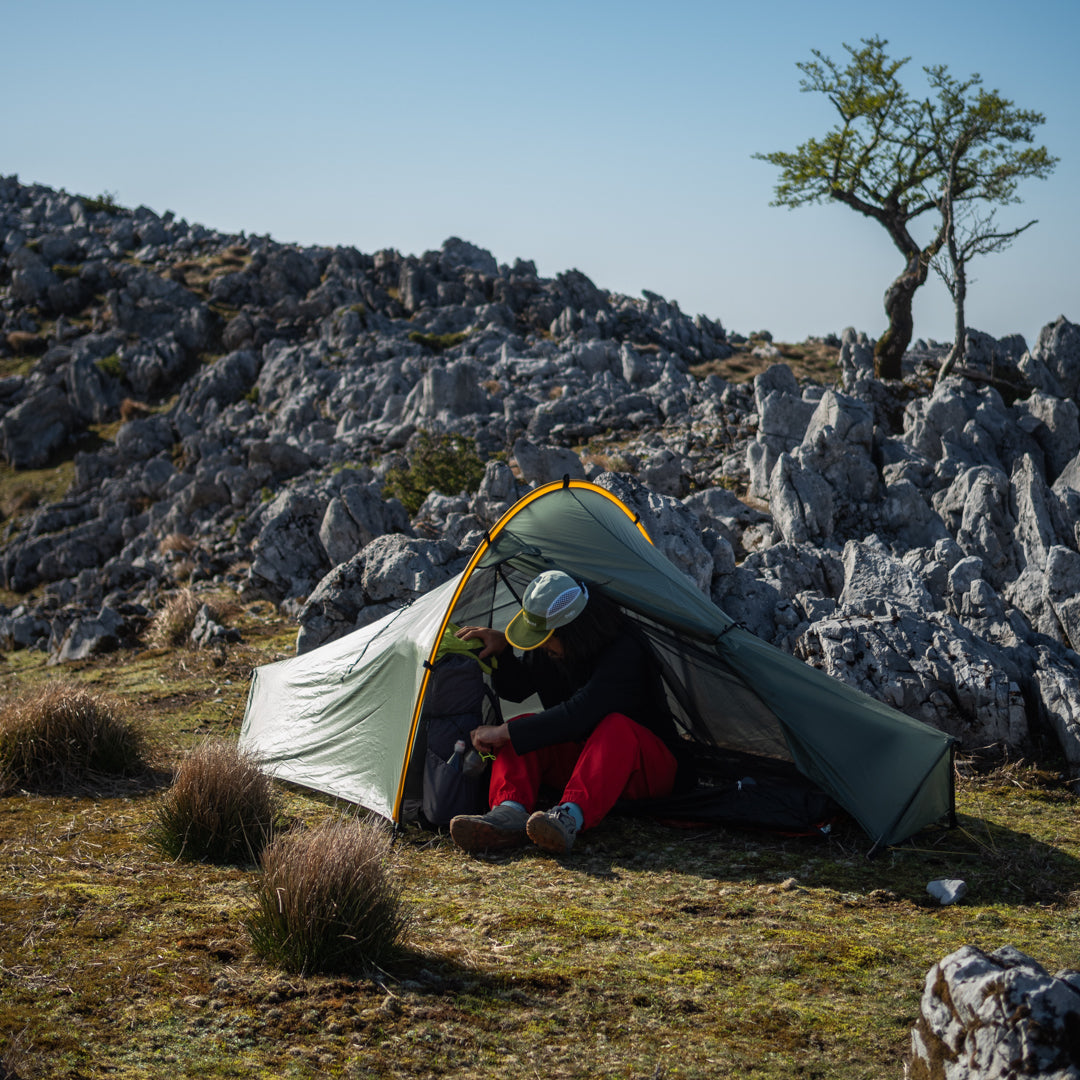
(620, 759)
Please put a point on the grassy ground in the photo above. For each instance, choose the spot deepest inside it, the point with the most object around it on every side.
(650, 952)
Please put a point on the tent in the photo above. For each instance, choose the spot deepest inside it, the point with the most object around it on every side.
(344, 718)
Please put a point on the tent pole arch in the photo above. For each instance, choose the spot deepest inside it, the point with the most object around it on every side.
(477, 555)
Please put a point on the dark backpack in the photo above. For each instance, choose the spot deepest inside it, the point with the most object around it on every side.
(457, 700)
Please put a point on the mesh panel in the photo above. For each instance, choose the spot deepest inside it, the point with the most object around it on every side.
(563, 600)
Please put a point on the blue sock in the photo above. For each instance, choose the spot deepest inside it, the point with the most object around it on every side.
(515, 805)
(575, 813)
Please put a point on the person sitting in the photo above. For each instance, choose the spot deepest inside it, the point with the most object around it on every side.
(605, 732)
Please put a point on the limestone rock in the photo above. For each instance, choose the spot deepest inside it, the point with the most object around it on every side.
(995, 1016)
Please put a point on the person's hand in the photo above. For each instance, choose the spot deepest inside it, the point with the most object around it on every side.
(494, 640)
(490, 737)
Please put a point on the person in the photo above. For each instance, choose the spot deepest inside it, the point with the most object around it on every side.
(605, 732)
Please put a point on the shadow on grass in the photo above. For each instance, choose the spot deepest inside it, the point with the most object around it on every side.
(1000, 864)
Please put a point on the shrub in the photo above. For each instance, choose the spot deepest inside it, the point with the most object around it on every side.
(62, 735)
(438, 342)
(221, 808)
(448, 464)
(104, 203)
(327, 901)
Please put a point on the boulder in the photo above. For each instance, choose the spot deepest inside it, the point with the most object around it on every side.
(355, 517)
(540, 465)
(36, 427)
(1058, 350)
(996, 1016)
(289, 556)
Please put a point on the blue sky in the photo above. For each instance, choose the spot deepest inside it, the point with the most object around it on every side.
(611, 137)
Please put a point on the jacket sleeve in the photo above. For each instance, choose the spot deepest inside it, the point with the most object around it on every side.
(615, 685)
(513, 678)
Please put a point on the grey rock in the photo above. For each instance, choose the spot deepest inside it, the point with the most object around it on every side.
(1056, 684)
(976, 511)
(87, 637)
(801, 501)
(872, 574)
(207, 631)
(448, 393)
(947, 890)
(289, 556)
(994, 1017)
(671, 526)
(542, 464)
(1062, 586)
(35, 428)
(1058, 349)
(355, 517)
(1057, 431)
(398, 567)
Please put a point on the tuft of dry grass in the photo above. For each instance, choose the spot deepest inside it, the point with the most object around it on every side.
(171, 624)
(61, 735)
(327, 900)
(130, 409)
(221, 808)
(177, 541)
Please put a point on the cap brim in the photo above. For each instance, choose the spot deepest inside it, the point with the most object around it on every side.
(522, 636)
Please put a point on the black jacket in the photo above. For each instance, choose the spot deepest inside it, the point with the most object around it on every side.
(624, 679)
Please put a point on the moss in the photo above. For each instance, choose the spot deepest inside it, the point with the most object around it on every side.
(438, 342)
(111, 365)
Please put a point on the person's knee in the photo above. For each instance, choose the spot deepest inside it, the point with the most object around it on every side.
(615, 723)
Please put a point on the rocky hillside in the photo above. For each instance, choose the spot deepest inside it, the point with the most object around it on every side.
(230, 411)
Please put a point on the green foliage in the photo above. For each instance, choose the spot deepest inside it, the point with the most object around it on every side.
(111, 365)
(327, 901)
(252, 395)
(105, 203)
(65, 271)
(447, 463)
(221, 808)
(62, 735)
(438, 342)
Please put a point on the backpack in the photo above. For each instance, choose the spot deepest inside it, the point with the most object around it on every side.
(458, 699)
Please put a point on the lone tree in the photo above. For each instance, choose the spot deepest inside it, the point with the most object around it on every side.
(894, 158)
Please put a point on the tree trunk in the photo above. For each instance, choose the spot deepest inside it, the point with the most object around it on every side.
(891, 346)
(959, 291)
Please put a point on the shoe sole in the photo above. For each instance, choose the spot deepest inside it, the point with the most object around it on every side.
(545, 834)
(472, 834)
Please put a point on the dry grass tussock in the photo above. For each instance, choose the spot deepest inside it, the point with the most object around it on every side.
(61, 735)
(221, 808)
(171, 625)
(327, 900)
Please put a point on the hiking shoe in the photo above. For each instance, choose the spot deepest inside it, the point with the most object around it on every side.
(501, 827)
(553, 830)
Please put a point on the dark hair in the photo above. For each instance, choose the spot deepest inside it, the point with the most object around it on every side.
(598, 625)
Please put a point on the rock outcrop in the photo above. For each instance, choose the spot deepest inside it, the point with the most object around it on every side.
(235, 412)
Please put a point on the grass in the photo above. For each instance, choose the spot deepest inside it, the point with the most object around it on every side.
(171, 625)
(811, 361)
(651, 951)
(221, 808)
(327, 900)
(60, 735)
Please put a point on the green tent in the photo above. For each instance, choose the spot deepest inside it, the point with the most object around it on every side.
(344, 718)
